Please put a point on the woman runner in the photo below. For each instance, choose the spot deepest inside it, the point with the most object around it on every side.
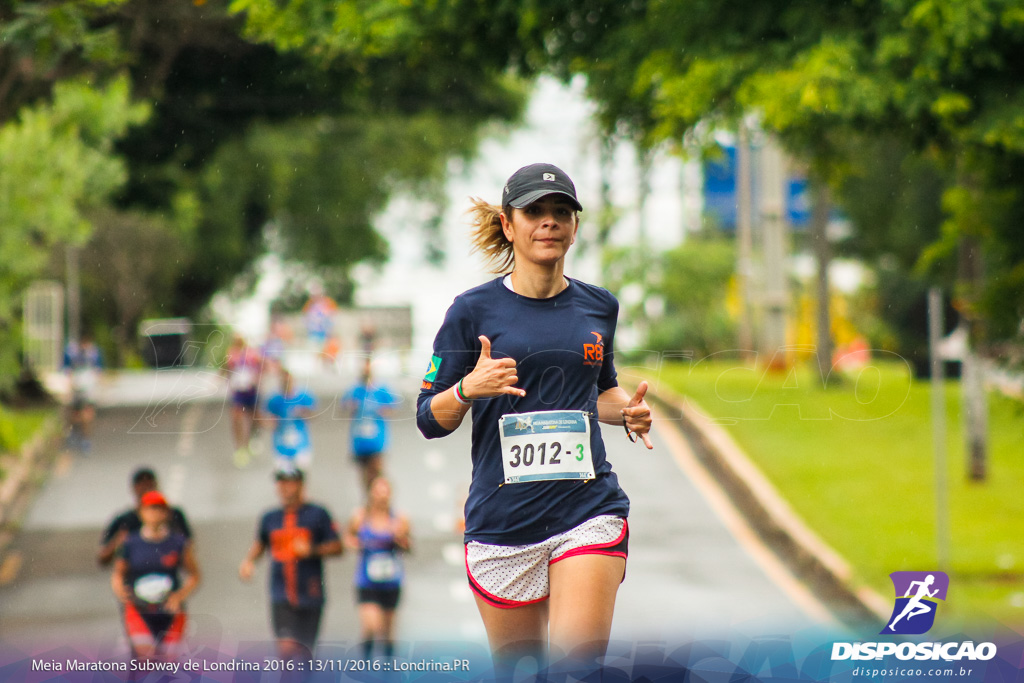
(530, 353)
(147, 581)
(380, 535)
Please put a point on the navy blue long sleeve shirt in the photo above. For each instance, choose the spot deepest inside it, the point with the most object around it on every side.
(563, 348)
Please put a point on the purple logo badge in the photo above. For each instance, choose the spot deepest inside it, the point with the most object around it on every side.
(917, 594)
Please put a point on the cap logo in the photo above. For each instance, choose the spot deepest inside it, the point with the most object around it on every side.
(549, 177)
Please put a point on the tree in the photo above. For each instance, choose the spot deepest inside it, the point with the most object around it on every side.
(42, 43)
(940, 74)
(57, 165)
(213, 91)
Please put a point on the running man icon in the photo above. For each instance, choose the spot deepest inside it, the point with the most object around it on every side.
(918, 599)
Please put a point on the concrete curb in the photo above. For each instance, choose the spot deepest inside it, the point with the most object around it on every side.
(827, 574)
(17, 489)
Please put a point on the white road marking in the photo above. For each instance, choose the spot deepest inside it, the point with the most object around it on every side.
(434, 460)
(189, 423)
(454, 554)
(440, 490)
(174, 483)
(459, 591)
(444, 521)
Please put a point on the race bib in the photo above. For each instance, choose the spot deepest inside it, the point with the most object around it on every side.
(291, 437)
(366, 428)
(243, 379)
(546, 445)
(84, 380)
(381, 567)
(153, 588)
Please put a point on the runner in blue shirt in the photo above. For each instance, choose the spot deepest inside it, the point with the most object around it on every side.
(298, 535)
(290, 409)
(83, 364)
(531, 353)
(369, 405)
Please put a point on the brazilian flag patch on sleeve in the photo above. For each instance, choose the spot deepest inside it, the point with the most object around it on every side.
(428, 379)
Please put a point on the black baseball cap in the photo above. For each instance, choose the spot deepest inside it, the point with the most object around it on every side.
(289, 474)
(532, 182)
(143, 474)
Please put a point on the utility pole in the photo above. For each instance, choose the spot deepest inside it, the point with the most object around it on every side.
(773, 222)
(938, 426)
(74, 289)
(972, 381)
(744, 240)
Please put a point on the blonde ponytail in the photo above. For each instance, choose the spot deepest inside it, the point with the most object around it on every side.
(488, 238)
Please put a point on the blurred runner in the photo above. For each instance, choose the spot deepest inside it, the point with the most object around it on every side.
(380, 535)
(143, 480)
(299, 535)
(369, 405)
(329, 356)
(290, 409)
(83, 363)
(147, 581)
(367, 337)
(243, 369)
(319, 313)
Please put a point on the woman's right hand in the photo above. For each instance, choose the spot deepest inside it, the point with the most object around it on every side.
(492, 376)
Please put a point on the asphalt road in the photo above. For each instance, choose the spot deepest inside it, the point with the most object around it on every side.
(693, 570)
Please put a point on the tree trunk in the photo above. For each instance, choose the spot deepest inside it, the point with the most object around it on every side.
(604, 213)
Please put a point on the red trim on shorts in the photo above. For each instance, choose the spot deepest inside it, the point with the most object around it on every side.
(136, 627)
(175, 631)
(599, 548)
(494, 600)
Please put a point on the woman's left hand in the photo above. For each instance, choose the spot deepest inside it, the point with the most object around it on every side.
(173, 603)
(637, 415)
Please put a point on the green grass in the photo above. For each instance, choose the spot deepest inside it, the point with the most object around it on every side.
(18, 426)
(856, 461)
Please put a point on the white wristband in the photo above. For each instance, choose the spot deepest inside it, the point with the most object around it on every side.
(458, 394)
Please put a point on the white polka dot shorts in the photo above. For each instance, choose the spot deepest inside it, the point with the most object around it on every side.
(516, 575)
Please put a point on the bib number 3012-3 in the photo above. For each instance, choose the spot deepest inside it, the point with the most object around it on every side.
(545, 445)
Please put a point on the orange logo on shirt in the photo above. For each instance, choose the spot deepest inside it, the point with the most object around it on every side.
(593, 354)
(286, 543)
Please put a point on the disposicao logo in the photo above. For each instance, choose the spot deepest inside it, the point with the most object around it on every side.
(917, 594)
(913, 613)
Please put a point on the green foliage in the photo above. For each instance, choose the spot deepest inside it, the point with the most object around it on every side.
(57, 161)
(691, 280)
(57, 164)
(278, 128)
(130, 263)
(45, 41)
(694, 285)
(214, 92)
(937, 80)
(8, 434)
(321, 183)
